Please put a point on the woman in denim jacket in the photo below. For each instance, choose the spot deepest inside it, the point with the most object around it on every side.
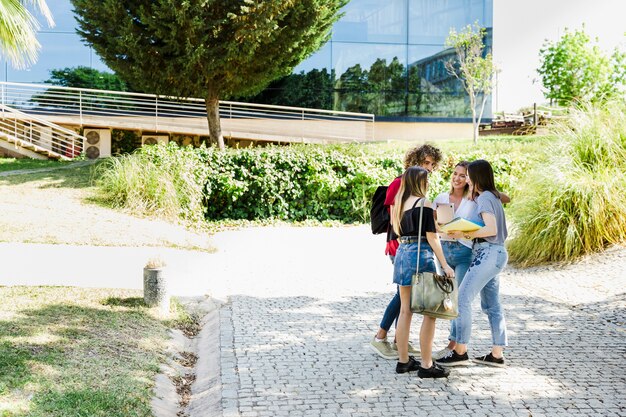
(489, 257)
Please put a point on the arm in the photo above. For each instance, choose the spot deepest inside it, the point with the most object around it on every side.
(505, 199)
(489, 229)
(433, 241)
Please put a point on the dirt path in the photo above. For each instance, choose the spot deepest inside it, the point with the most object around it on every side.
(56, 206)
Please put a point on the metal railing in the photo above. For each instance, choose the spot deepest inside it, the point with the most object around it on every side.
(186, 116)
(39, 135)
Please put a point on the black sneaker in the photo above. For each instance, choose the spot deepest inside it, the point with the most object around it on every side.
(434, 371)
(454, 359)
(490, 360)
(410, 366)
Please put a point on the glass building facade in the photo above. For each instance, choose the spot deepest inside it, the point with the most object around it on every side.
(385, 57)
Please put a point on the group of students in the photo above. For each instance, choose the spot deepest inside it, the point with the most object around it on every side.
(474, 259)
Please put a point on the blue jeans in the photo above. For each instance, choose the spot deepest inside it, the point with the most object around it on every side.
(426, 264)
(482, 277)
(459, 257)
(393, 308)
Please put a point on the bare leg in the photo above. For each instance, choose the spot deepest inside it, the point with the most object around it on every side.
(381, 333)
(460, 348)
(496, 351)
(427, 334)
(404, 324)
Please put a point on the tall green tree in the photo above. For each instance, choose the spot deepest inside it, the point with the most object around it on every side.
(86, 77)
(473, 67)
(215, 49)
(18, 29)
(574, 70)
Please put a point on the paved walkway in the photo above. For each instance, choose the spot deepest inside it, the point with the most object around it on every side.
(301, 305)
(296, 349)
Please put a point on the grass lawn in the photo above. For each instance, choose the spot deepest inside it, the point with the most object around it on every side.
(78, 352)
(12, 164)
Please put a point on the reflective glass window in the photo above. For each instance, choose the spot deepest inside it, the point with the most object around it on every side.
(370, 78)
(347, 56)
(372, 21)
(430, 20)
(319, 60)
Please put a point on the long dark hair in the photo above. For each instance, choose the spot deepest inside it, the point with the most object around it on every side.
(481, 175)
(414, 182)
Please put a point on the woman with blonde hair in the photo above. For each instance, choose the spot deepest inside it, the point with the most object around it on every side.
(410, 204)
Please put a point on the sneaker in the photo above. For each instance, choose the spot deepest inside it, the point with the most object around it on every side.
(434, 371)
(384, 348)
(410, 366)
(453, 359)
(490, 360)
(441, 354)
(412, 350)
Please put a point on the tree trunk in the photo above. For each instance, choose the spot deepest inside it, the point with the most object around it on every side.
(474, 125)
(213, 117)
(480, 117)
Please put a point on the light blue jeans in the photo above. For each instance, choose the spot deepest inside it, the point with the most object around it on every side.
(459, 257)
(488, 260)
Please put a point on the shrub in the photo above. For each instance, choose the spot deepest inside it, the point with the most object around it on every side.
(299, 182)
(166, 181)
(574, 204)
(294, 183)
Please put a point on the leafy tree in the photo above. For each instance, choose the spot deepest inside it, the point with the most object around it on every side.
(473, 67)
(210, 48)
(85, 77)
(574, 70)
(18, 28)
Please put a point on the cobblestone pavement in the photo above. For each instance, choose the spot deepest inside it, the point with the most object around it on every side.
(302, 350)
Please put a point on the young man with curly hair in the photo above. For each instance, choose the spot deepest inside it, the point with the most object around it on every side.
(428, 157)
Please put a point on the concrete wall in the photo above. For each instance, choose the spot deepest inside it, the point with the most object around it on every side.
(412, 131)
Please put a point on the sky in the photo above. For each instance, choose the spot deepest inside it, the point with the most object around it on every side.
(520, 29)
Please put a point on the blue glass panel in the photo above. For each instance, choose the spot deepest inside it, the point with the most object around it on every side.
(427, 69)
(372, 21)
(430, 21)
(349, 55)
(370, 78)
(320, 59)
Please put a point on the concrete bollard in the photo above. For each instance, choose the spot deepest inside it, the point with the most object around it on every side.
(155, 291)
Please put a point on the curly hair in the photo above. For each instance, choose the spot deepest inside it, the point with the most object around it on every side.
(417, 155)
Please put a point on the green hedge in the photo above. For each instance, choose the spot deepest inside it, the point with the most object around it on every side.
(295, 183)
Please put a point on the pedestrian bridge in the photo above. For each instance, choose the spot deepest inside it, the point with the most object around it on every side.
(43, 120)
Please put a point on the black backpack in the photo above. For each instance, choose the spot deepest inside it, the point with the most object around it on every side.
(379, 215)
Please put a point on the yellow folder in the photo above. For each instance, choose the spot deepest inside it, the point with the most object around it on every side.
(460, 224)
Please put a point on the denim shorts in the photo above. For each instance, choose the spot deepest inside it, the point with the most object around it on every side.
(406, 262)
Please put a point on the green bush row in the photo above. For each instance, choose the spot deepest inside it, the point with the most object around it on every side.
(296, 183)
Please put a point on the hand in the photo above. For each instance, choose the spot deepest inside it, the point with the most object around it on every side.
(455, 234)
(448, 271)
